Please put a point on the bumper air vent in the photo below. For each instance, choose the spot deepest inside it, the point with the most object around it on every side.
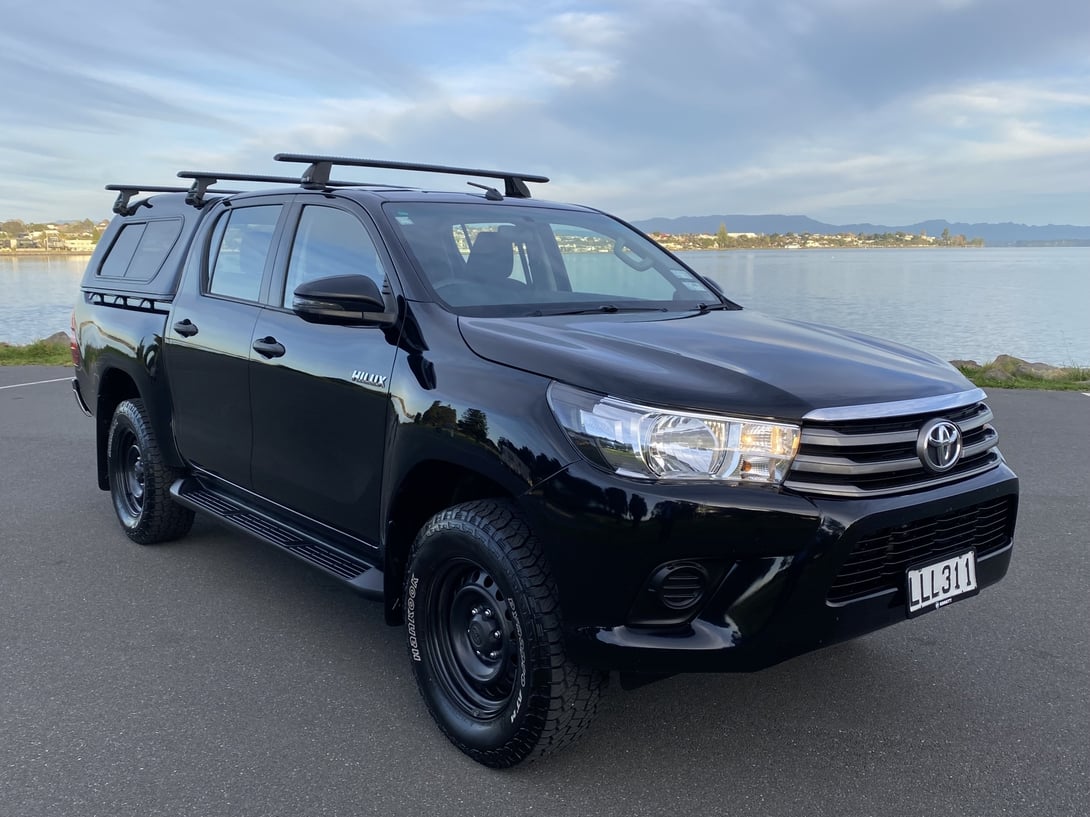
(679, 585)
(879, 560)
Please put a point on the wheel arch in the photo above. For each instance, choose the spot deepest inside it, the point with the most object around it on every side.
(118, 383)
(427, 488)
(115, 386)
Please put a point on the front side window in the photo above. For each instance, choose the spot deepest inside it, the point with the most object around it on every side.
(330, 242)
(240, 249)
(517, 259)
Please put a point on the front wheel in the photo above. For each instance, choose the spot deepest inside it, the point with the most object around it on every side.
(484, 634)
(140, 480)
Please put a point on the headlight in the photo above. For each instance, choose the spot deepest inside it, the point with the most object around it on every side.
(651, 443)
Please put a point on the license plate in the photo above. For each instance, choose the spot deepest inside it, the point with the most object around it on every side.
(937, 584)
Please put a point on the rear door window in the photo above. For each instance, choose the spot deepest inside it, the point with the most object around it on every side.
(241, 244)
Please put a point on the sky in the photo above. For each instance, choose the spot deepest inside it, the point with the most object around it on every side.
(882, 111)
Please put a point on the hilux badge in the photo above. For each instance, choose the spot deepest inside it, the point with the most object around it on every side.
(939, 445)
(366, 378)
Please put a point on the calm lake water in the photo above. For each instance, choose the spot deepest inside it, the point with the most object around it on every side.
(957, 303)
(37, 295)
(1032, 303)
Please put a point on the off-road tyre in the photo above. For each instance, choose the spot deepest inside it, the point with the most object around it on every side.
(140, 481)
(485, 641)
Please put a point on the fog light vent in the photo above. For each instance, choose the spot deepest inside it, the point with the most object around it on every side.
(680, 585)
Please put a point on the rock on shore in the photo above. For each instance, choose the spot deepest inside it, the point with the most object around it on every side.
(1007, 367)
(56, 339)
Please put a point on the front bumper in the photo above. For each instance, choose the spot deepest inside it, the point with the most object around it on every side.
(775, 563)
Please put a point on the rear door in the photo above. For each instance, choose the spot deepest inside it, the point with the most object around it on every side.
(209, 335)
(321, 393)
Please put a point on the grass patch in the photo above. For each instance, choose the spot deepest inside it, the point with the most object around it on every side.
(1006, 372)
(39, 353)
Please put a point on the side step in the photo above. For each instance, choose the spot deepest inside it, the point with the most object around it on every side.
(350, 569)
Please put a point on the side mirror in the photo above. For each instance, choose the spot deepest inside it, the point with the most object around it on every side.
(342, 299)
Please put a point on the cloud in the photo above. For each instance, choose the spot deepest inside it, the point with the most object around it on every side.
(861, 109)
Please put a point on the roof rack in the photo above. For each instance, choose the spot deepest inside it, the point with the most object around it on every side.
(316, 176)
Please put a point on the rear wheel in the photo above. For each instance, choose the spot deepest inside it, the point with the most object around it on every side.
(140, 480)
(484, 633)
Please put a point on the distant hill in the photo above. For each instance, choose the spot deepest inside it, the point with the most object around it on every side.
(994, 235)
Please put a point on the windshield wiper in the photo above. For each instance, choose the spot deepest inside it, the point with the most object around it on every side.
(713, 307)
(606, 308)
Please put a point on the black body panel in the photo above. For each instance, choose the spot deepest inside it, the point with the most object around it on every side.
(210, 383)
(318, 435)
(723, 361)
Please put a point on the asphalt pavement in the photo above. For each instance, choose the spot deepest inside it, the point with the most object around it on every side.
(217, 676)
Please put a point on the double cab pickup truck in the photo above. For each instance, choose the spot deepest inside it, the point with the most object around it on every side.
(550, 449)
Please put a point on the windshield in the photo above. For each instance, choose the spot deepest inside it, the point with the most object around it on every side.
(517, 260)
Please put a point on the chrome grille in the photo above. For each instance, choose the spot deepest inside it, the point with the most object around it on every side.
(878, 562)
(876, 455)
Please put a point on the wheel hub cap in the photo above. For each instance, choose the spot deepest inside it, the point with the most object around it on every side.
(483, 633)
(480, 644)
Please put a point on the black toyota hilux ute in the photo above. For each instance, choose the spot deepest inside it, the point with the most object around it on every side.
(549, 448)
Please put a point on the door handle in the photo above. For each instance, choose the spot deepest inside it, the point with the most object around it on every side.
(268, 347)
(186, 328)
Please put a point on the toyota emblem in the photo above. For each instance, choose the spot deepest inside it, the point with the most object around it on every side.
(939, 445)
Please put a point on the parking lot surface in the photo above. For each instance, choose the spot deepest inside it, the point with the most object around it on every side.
(216, 675)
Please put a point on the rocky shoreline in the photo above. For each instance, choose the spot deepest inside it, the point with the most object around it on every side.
(1007, 368)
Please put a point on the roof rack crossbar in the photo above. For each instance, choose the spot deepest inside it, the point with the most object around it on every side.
(125, 192)
(214, 177)
(317, 175)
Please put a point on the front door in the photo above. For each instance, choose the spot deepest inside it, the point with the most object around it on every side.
(320, 394)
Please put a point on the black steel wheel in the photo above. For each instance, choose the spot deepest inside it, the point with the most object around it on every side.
(140, 480)
(471, 633)
(484, 637)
